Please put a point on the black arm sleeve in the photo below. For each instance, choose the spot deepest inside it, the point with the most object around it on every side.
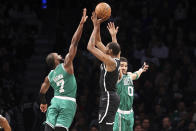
(42, 98)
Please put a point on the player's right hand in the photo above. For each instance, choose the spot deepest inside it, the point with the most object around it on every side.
(43, 107)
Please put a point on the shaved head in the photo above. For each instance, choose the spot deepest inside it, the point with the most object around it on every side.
(50, 61)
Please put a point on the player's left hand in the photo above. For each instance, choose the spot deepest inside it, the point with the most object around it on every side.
(43, 107)
(145, 67)
(84, 17)
(112, 29)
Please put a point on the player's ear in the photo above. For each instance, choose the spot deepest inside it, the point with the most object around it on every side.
(110, 51)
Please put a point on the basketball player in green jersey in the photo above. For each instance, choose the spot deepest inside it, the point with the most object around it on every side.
(124, 118)
(61, 112)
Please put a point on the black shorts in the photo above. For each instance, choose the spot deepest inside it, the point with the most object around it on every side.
(109, 102)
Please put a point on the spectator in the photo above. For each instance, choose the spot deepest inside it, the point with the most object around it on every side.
(191, 126)
(146, 124)
(166, 124)
(138, 128)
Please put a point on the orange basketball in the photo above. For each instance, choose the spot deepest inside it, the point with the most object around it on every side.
(103, 11)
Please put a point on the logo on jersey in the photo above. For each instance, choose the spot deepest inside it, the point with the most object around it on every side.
(127, 81)
(57, 78)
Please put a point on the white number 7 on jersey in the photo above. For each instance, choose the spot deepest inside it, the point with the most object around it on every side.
(61, 83)
(130, 92)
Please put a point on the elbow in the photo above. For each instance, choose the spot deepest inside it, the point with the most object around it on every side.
(73, 40)
(89, 48)
(74, 43)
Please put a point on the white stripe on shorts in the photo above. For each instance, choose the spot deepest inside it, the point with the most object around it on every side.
(119, 122)
(66, 98)
(106, 107)
(124, 112)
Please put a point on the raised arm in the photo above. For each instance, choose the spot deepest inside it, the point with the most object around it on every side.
(91, 44)
(75, 39)
(138, 73)
(113, 31)
(44, 88)
(99, 43)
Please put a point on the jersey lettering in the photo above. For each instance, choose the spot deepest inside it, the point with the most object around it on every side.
(57, 78)
(59, 82)
(127, 81)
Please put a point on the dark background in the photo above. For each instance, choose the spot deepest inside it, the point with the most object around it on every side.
(161, 32)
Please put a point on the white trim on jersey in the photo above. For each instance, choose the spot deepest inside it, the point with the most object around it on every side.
(104, 78)
(106, 107)
(117, 58)
(115, 62)
(59, 125)
(63, 67)
(49, 74)
(66, 98)
(120, 79)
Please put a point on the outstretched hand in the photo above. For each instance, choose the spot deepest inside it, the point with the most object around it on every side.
(112, 29)
(145, 67)
(96, 22)
(84, 17)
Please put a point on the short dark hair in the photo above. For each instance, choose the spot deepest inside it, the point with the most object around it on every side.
(50, 61)
(123, 59)
(115, 47)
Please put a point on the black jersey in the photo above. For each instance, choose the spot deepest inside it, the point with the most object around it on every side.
(108, 80)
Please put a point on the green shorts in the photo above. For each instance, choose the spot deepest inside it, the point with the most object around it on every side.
(123, 121)
(61, 112)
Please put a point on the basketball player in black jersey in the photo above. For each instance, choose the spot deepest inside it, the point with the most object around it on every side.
(109, 55)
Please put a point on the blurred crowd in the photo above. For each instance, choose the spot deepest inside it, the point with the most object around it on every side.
(161, 33)
(19, 27)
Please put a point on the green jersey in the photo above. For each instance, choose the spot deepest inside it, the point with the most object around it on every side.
(63, 83)
(125, 90)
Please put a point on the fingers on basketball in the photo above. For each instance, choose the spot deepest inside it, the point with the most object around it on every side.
(103, 11)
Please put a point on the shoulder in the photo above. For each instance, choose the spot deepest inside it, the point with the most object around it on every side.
(130, 75)
(49, 76)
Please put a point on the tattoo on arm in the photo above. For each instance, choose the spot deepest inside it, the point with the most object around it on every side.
(93, 39)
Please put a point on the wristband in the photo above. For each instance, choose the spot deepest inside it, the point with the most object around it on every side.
(42, 98)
